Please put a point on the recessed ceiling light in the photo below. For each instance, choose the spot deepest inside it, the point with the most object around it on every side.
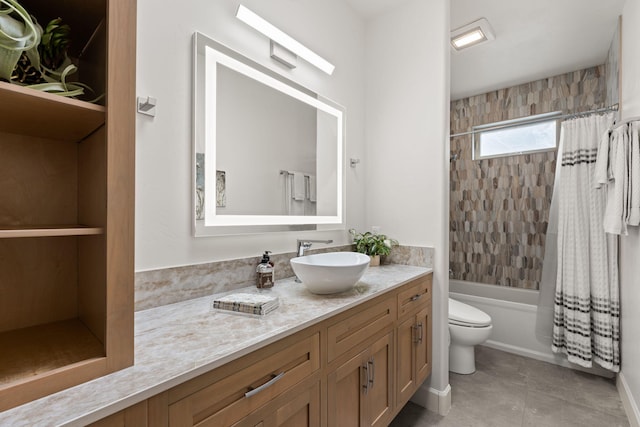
(472, 34)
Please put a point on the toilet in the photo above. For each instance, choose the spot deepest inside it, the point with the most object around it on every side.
(468, 327)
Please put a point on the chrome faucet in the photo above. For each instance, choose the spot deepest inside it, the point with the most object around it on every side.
(305, 244)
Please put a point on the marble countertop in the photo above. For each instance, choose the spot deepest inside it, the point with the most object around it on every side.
(175, 343)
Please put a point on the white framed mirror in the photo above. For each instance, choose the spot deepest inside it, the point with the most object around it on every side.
(268, 153)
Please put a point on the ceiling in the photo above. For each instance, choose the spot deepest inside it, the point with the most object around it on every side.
(534, 39)
(371, 8)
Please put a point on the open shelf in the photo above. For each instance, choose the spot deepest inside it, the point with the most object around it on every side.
(48, 231)
(66, 211)
(38, 350)
(35, 113)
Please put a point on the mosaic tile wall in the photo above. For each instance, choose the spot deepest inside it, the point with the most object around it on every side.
(612, 67)
(499, 208)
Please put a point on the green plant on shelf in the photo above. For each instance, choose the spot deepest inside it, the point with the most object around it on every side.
(33, 57)
(372, 244)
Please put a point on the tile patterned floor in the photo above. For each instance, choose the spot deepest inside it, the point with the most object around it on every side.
(509, 391)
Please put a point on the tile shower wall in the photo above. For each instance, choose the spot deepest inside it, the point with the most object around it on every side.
(612, 68)
(499, 208)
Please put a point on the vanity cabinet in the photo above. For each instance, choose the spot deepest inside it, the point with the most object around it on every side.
(359, 391)
(413, 338)
(299, 408)
(228, 395)
(133, 416)
(66, 212)
(357, 368)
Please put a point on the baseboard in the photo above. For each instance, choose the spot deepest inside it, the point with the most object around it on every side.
(434, 400)
(629, 403)
(555, 359)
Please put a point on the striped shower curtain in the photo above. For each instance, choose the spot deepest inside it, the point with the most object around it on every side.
(586, 323)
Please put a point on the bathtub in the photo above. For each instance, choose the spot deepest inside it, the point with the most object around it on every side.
(513, 312)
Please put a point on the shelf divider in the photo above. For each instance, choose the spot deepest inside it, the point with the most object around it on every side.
(48, 231)
(35, 113)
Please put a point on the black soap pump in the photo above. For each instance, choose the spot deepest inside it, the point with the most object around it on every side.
(266, 272)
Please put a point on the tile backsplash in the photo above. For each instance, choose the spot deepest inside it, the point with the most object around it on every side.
(155, 288)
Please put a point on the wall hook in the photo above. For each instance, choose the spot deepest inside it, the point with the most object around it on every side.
(147, 105)
(353, 162)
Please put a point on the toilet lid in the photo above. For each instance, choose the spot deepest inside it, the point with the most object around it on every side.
(464, 314)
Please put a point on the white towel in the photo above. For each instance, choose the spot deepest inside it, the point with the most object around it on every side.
(602, 172)
(313, 192)
(617, 187)
(298, 186)
(634, 189)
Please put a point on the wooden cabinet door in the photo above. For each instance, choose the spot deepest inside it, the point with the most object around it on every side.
(406, 361)
(379, 397)
(413, 353)
(359, 328)
(360, 391)
(345, 392)
(423, 345)
(301, 411)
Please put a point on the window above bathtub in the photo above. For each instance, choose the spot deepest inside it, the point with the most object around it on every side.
(532, 134)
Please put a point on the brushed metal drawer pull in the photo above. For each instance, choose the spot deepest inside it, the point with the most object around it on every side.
(365, 386)
(416, 297)
(420, 329)
(372, 363)
(268, 384)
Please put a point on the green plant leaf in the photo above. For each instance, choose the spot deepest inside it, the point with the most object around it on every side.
(17, 34)
(372, 244)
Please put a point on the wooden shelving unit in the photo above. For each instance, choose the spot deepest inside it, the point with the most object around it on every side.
(41, 349)
(66, 213)
(49, 231)
(45, 115)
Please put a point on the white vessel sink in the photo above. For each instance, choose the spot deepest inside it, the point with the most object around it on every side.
(331, 272)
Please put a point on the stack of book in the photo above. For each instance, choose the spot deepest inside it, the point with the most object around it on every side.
(247, 303)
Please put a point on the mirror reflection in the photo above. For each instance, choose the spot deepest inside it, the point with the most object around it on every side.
(270, 150)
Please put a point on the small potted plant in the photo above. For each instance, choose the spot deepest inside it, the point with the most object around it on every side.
(373, 245)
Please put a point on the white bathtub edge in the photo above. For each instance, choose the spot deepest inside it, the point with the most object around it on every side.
(495, 302)
(532, 354)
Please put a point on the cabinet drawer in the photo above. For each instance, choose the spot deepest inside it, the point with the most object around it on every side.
(415, 296)
(233, 397)
(299, 407)
(353, 330)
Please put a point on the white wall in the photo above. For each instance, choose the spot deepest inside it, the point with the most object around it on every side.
(405, 167)
(630, 245)
(407, 121)
(163, 143)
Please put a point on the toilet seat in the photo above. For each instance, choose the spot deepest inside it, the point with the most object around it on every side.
(461, 314)
(468, 325)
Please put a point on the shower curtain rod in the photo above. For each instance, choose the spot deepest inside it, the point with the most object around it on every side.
(614, 107)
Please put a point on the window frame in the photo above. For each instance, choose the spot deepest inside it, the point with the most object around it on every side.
(514, 123)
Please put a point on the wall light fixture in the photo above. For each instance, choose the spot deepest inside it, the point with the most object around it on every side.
(279, 39)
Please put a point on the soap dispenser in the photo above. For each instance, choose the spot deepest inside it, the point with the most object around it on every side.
(265, 270)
